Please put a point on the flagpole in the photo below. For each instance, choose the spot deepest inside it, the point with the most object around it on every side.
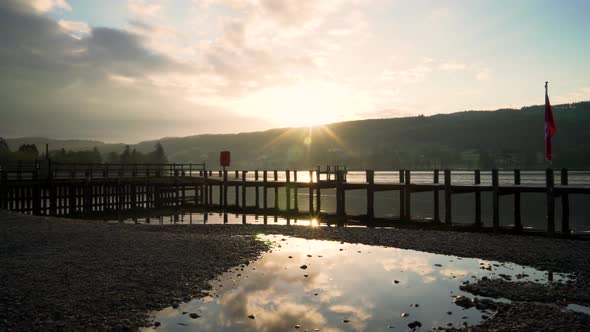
(550, 161)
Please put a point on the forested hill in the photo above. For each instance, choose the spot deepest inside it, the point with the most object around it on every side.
(503, 138)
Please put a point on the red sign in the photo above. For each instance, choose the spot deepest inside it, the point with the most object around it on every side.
(224, 158)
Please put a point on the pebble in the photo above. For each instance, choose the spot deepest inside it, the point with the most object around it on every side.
(405, 314)
(252, 316)
(303, 267)
(194, 315)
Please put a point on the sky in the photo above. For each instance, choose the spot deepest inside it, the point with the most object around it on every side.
(131, 70)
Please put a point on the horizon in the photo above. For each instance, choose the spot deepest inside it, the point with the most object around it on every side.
(270, 129)
(131, 71)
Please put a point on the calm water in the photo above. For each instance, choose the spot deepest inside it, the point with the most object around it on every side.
(345, 287)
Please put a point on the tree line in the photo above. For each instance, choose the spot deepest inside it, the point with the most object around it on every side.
(30, 152)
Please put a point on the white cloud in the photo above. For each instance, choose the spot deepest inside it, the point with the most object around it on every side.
(580, 94)
(143, 8)
(48, 5)
(74, 26)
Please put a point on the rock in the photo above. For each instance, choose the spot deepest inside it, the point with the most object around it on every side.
(306, 275)
(438, 265)
(463, 301)
(290, 256)
(416, 305)
(175, 305)
(308, 255)
(194, 315)
(252, 316)
(484, 317)
(345, 320)
(396, 281)
(414, 324)
(405, 314)
(156, 324)
(303, 267)
(449, 312)
(297, 326)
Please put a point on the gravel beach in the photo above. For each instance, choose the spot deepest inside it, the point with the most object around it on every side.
(60, 274)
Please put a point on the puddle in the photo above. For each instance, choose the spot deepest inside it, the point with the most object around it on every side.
(314, 285)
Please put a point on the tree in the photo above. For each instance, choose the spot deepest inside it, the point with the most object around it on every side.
(158, 156)
(113, 158)
(126, 155)
(3, 146)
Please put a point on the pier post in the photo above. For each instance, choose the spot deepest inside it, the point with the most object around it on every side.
(310, 203)
(244, 202)
(265, 191)
(296, 191)
(565, 205)
(288, 189)
(237, 190)
(370, 177)
(408, 195)
(340, 197)
(550, 202)
(205, 189)
(477, 175)
(495, 200)
(224, 188)
(436, 214)
(402, 196)
(256, 193)
(276, 178)
(517, 216)
(318, 197)
(448, 198)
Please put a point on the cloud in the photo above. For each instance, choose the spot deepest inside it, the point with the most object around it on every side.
(143, 8)
(108, 83)
(580, 94)
(48, 5)
(74, 26)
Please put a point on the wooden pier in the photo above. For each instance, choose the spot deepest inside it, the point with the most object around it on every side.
(77, 189)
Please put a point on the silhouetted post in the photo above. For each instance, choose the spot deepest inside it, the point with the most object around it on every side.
(517, 217)
(310, 209)
(340, 209)
(402, 197)
(407, 192)
(370, 177)
(318, 197)
(328, 172)
(244, 202)
(220, 173)
(495, 200)
(72, 199)
(224, 188)
(134, 195)
(565, 205)
(265, 191)
(435, 198)
(206, 189)
(448, 198)
(477, 181)
(296, 191)
(237, 190)
(52, 199)
(256, 194)
(276, 178)
(288, 189)
(550, 202)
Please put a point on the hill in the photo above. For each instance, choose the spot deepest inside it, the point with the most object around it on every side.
(504, 138)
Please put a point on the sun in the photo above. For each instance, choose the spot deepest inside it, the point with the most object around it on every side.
(305, 104)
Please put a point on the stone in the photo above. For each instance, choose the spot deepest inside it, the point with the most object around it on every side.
(194, 315)
(252, 316)
(345, 320)
(175, 305)
(156, 324)
(303, 267)
(297, 326)
(405, 314)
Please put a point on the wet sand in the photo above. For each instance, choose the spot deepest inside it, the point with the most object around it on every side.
(70, 275)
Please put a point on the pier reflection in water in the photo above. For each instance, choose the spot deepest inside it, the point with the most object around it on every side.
(333, 286)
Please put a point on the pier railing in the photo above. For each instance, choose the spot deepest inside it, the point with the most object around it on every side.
(85, 188)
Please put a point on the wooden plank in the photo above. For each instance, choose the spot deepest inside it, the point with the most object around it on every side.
(549, 183)
(448, 198)
(495, 201)
(370, 178)
(517, 215)
(565, 205)
(435, 198)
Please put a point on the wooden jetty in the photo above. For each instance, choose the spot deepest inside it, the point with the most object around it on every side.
(46, 188)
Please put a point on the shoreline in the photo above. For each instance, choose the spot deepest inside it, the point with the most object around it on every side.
(71, 274)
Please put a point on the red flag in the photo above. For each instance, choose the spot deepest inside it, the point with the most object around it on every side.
(549, 126)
